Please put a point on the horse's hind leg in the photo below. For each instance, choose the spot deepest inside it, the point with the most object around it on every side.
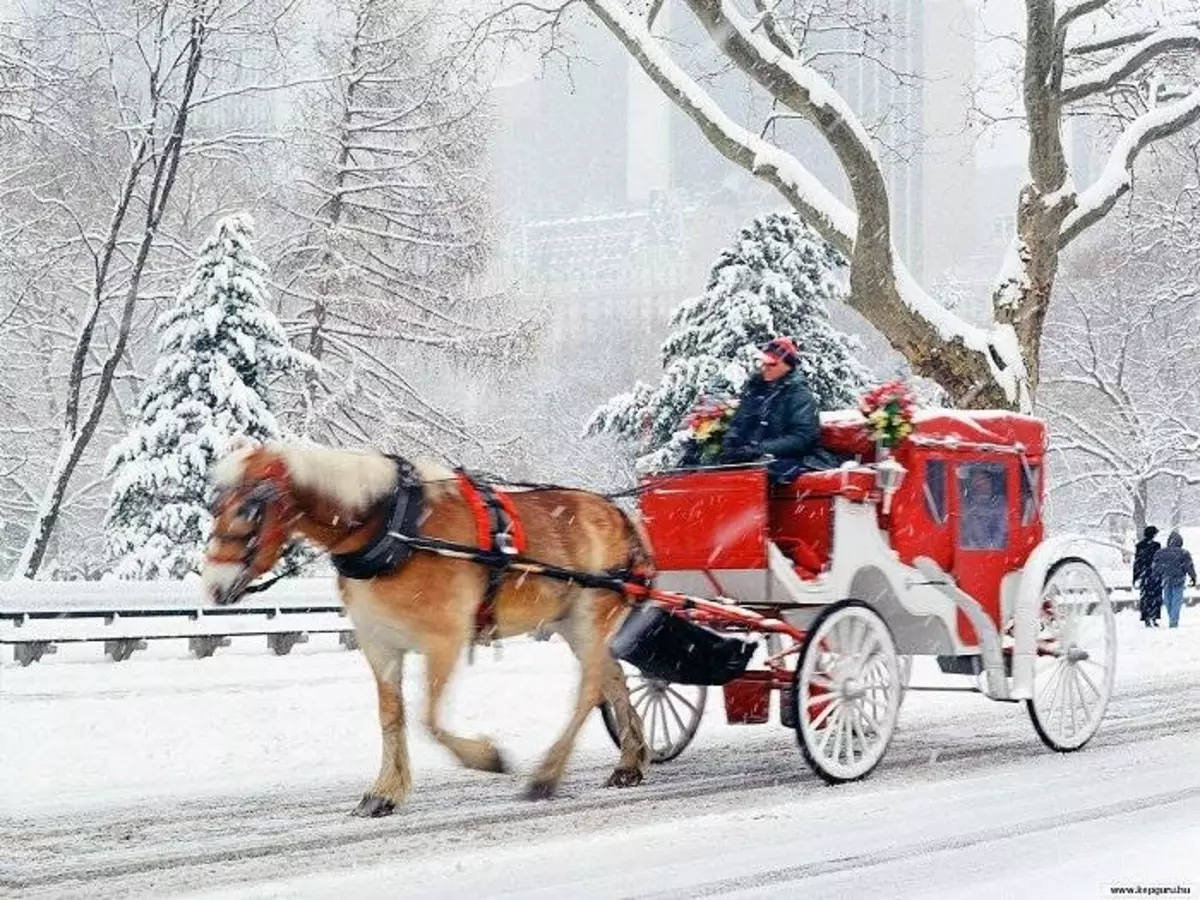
(441, 656)
(395, 777)
(635, 755)
(585, 631)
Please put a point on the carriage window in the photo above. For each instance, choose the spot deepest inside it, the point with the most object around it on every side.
(935, 490)
(1030, 496)
(982, 506)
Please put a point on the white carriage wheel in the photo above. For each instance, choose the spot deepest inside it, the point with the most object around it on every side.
(1077, 658)
(846, 692)
(670, 713)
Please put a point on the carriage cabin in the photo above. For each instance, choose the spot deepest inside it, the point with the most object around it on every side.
(970, 500)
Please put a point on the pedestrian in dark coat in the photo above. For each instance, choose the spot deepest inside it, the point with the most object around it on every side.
(777, 417)
(1150, 604)
(1173, 564)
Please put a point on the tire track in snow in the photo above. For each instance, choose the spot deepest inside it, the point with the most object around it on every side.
(790, 874)
(226, 838)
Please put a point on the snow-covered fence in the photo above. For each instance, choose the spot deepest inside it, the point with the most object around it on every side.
(37, 616)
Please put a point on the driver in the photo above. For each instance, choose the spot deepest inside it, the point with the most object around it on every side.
(777, 416)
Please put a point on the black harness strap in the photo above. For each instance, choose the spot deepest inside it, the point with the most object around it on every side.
(385, 552)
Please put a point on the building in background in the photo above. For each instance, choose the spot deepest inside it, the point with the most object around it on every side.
(613, 204)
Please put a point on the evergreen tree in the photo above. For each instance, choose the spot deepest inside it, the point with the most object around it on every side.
(220, 349)
(776, 279)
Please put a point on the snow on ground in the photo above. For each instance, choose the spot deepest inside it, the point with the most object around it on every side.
(235, 774)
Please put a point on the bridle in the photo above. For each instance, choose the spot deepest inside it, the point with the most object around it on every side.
(272, 489)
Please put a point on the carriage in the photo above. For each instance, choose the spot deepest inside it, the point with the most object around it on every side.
(830, 586)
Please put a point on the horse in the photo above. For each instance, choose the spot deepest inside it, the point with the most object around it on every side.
(353, 504)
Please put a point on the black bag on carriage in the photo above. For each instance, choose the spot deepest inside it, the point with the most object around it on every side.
(676, 650)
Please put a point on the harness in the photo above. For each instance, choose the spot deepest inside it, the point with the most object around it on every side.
(387, 551)
(499, 532)
(500, 545)
(500, 538)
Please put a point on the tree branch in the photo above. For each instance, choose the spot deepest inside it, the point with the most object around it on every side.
(1107, 76)
(1117, 178)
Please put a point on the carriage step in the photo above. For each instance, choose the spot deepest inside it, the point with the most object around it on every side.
(960, 665)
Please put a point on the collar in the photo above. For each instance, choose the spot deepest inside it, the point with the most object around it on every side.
(384, 553)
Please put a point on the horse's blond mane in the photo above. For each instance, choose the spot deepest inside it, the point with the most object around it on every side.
(355, 479)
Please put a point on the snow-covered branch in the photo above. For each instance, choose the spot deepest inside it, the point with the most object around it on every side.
(1123, 37)
(1071, 10)
(1115, 180)
(1110, 74)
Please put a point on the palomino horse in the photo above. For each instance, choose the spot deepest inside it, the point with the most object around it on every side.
(348, 501)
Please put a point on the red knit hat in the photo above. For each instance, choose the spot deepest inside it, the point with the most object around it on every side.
(782, 349)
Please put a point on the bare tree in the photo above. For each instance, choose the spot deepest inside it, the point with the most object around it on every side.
(1074, 54)
(1120, 383)
(103, 164)
(394, 221)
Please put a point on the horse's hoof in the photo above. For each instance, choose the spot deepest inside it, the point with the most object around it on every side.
(497, 763)
(624, 778)
(372, 806)
(540, 790)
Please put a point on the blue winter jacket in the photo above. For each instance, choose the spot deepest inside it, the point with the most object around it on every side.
(1172, 563)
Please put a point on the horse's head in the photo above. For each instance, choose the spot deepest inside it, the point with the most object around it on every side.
(253, 514)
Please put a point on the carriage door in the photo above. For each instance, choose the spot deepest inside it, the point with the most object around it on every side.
(984, 532)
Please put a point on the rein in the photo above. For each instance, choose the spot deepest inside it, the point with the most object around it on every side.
(392, 546)
(619, 581)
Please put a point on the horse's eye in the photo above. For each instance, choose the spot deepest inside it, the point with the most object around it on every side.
(250, 509)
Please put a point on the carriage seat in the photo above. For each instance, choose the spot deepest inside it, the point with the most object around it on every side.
(801, 514)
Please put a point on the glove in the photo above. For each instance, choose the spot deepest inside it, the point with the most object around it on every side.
(740, 453)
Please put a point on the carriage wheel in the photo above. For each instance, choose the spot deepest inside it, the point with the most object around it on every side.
(846, 692)
(1077, 656)
(670, 714)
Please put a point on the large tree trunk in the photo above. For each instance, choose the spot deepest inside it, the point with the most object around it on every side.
(1140, 507)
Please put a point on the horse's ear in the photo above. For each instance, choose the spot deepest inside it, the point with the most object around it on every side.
(241, 442)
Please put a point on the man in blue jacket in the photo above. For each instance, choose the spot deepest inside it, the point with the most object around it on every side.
(1172, 564)
(777, 418)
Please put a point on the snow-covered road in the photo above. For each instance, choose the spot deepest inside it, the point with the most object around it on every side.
(234, 776)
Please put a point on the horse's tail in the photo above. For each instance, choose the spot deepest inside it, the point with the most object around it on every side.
(639, 566)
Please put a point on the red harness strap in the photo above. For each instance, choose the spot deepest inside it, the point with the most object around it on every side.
(498, 529)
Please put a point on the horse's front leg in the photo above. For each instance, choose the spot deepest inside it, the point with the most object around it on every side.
(585, 631)
(395, 777)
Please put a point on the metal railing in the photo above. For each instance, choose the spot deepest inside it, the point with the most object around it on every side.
(36, 617)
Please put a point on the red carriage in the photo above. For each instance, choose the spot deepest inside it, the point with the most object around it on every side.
(936, 549)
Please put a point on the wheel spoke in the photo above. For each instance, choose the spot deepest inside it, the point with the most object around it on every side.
(1072, 688)
(651, 722)
(666, 724)
(856, 722)
(1081, 679)
(682, 699)
(675, 713)
(834, 704)
(1088, 680)
(837, 729)
(828, 731)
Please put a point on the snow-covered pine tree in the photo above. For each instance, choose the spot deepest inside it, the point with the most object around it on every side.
(776, 279)
(220, 349)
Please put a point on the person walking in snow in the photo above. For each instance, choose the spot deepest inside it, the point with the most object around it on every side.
(1172, 564)
(777, 417)
(1150, 605)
